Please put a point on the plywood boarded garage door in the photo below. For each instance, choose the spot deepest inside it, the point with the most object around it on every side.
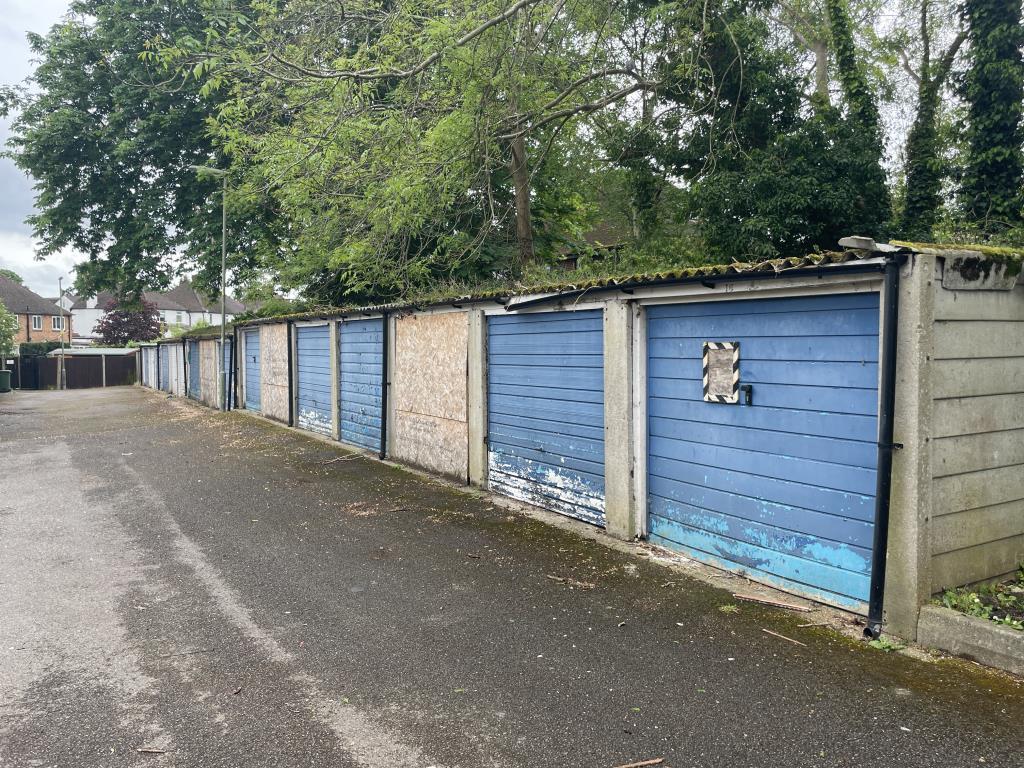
(313, 368)
(781, 489)
(545, 410)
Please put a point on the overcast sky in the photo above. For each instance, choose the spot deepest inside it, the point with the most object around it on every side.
(16, 248)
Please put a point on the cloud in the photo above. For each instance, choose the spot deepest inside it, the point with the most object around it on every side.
(17, 252)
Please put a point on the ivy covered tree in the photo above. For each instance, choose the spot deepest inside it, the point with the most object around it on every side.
(992, 191)
(127, 322)
(861, 105)
(925, 168)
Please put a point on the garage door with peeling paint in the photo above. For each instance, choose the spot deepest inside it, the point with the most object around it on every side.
(313, 366)
(360, 368)
(781, 488)
(545, 410)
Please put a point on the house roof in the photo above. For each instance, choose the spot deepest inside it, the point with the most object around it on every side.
(183, 293)
(21, 301)
(154, 297)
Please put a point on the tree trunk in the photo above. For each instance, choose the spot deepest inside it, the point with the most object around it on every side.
(923, 172)
(521, 181)
(820, 50)
(923, 179)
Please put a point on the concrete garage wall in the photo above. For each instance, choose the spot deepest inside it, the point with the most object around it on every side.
(428, 393)
(274, 371)
(978, 431)
(208, 373)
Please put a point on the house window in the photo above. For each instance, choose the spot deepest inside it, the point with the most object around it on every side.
(178, 318)
(57, 323)
(37, 322)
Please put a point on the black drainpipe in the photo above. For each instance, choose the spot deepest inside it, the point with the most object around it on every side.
(384, 390)
(291, 384)
(886, 413)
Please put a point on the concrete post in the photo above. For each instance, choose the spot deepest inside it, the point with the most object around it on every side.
(476, 398)
(392, 321)
(103, 370)
(620, 502)
(333, 336)
(908, 568)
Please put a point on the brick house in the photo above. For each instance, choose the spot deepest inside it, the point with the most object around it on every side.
(38, 319)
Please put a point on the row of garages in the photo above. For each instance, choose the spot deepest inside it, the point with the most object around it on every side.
(743, 418)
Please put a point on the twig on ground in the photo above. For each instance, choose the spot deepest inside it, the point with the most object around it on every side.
(340, 458)
(783, 637)
(642, 763)
(769, 601)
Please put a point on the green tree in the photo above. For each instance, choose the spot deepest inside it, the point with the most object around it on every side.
(993, 87)
(8, 333)
(861, 104)
(925, 168)
(433, 141)
(768, 176)
(10, 274)
(109, 140)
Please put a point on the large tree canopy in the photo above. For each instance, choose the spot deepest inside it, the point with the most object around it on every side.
(381, 147)
(110, 140)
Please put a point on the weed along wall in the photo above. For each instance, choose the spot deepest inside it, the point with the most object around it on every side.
(734, 414)
(428, 403)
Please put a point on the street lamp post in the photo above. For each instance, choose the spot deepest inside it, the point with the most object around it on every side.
(223, 175)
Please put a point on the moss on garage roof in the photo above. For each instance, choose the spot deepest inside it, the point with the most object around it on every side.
(504, 292)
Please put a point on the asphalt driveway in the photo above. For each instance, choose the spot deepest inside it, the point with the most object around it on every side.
(217, 591)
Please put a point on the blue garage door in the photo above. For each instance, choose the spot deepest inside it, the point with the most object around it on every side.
(781, 489)
(252, 369)
(313, 365)
(225, 371)
(165, 368)
(545, 410)
(193, 370)
(360, 367)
